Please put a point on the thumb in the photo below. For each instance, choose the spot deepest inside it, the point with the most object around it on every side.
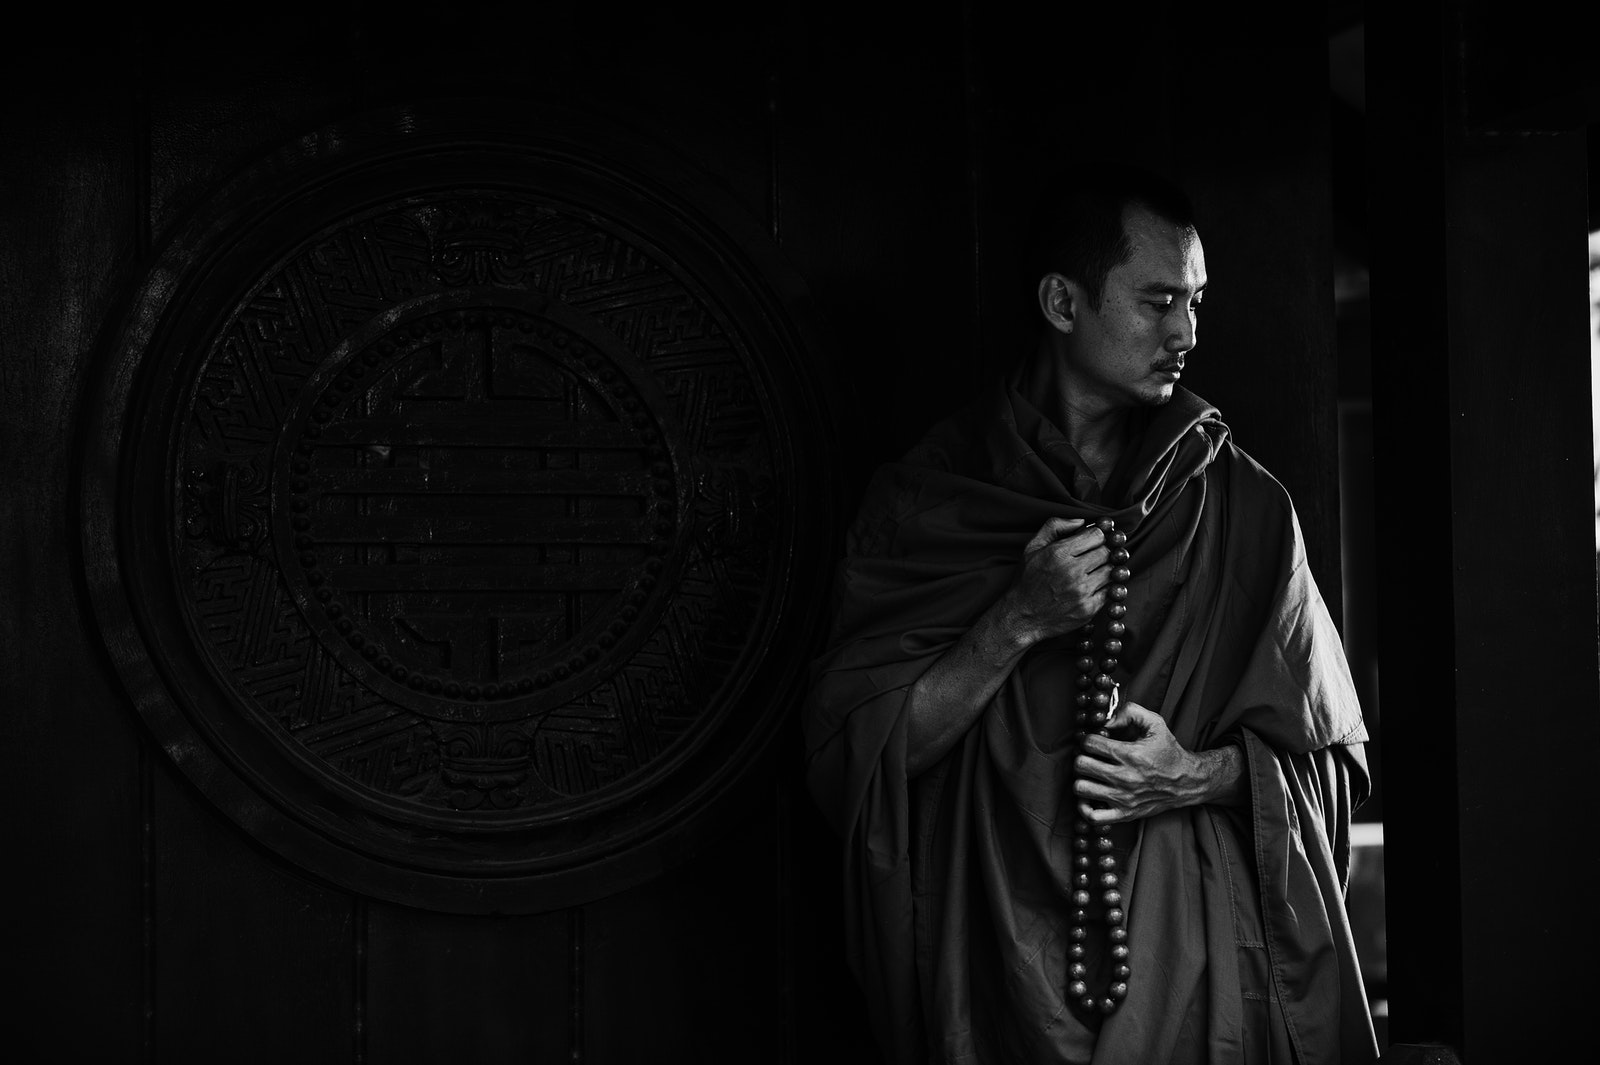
(1052, 530)
(1134, 719)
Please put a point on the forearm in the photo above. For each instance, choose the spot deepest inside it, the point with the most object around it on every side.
(947, 699)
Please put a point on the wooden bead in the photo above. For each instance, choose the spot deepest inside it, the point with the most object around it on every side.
(1119, 538)
(1094, 703)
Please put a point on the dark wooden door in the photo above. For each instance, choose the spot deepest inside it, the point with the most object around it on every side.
(885, 161)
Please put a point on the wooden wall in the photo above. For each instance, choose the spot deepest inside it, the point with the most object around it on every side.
(888, 155)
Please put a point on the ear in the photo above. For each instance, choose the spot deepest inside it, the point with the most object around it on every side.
(1058, 302)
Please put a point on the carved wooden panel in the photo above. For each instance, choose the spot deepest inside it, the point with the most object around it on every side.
(451, 515)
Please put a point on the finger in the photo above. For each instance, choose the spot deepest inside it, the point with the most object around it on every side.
(1099, 816)
(1098, 748)
(1144, 722)
(1089, 539)
(1093, 602)
(1095, 793)
(1095, 560)
(1053, 529)
(1088, 768)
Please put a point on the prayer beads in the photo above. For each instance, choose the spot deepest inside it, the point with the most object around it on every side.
(1093, 848)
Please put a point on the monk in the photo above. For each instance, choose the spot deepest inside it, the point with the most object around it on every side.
(946, 728)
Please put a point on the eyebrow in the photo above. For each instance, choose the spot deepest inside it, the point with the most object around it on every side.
(1170, 290)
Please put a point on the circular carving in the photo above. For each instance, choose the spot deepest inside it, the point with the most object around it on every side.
(454, 507)
(479, 505)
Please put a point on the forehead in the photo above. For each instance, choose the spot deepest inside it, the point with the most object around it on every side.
(1163, 253)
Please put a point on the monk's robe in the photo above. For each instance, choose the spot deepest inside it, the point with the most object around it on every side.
(958, 881)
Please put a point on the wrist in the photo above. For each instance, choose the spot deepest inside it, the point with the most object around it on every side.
(1217, 776)
(1011, 627)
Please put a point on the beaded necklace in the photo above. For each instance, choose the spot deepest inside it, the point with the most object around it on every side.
(1093, 863)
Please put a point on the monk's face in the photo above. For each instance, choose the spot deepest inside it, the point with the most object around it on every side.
(1130, 350)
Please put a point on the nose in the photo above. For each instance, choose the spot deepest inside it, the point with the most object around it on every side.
(1182, 337)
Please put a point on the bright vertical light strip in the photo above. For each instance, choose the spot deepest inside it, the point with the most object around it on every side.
(1594, 370)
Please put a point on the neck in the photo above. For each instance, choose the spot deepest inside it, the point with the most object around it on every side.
(1097, 430)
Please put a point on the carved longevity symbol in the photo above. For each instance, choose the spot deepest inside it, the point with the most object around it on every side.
(477, 502)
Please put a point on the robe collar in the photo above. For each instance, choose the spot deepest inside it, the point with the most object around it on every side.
(1029, 454)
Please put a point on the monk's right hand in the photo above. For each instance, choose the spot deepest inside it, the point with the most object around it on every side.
(1063, 580)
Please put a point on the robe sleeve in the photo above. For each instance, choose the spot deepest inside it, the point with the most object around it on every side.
(1301, 804)
(855, 720)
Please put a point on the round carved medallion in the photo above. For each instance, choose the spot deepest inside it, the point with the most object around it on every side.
(452, 538)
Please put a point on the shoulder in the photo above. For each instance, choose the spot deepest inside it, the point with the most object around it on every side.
(956, 444)
(1260, 513)
(952, 448)
(1250, 483)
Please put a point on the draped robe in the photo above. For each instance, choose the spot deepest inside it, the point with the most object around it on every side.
(957, 881)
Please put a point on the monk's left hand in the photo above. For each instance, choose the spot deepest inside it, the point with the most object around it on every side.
(1137, 772)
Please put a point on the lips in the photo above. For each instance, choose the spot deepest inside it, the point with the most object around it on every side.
(1170, 367)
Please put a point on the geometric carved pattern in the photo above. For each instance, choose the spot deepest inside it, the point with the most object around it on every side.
(474, 506)
(441, 502)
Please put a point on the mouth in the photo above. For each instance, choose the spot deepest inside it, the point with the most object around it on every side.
(1173, 368)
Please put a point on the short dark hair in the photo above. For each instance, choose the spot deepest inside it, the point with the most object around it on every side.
(1077, 228)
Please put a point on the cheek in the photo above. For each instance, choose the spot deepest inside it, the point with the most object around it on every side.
(1130, 328)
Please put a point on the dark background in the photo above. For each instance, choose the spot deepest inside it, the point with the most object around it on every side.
(891, 156)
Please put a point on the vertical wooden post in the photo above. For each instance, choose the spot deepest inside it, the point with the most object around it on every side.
(1486, 558)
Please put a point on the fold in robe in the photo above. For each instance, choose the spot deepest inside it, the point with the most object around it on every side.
(958, 881)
